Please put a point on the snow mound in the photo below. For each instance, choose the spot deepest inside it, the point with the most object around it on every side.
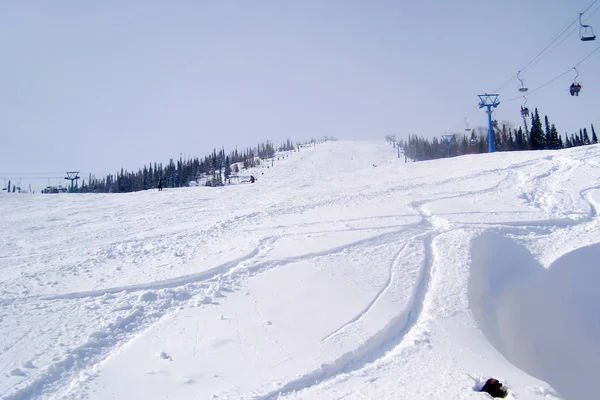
(544, 321)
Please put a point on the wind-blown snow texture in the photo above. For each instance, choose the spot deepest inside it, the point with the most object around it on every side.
(342, 273)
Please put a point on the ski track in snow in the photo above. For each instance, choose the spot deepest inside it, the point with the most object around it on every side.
(377, 346)
(384, 289)
(94, 350)
(391, 335)
(168, 283)
(380, 343)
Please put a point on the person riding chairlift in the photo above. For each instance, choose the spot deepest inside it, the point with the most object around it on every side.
(524, 111)
(574, 89)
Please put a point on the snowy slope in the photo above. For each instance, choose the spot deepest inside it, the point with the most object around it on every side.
(342, 273)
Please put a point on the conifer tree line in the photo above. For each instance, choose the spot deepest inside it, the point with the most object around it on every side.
(541, 136)
(217, 167)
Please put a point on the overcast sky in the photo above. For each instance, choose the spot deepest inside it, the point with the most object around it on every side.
(98, 85)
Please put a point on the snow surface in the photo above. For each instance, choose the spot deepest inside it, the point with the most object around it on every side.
(342, 273)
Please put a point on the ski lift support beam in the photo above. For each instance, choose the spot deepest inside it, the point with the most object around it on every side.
(489, 101)
(448, 139)
(72, 176)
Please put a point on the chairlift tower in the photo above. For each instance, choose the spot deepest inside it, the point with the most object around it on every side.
(489, 101)
(72, 176)
(448, 139)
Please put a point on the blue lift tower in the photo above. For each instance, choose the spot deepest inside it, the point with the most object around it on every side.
(489, 101)
(448, 139)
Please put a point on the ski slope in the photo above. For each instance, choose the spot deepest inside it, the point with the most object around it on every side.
(342, 273)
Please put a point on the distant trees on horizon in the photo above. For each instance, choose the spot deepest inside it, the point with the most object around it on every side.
(507, 138)
(216, 167)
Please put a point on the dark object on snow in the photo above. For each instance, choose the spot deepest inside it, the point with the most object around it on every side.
(494, 388)
(160, 182)
(252, 179)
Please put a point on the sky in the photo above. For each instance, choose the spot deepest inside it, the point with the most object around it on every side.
(96, 86)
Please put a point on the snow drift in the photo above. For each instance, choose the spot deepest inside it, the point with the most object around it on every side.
(544, 321)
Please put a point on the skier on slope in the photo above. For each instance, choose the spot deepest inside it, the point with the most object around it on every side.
(252, 179)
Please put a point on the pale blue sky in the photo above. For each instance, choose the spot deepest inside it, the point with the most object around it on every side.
(98, 85)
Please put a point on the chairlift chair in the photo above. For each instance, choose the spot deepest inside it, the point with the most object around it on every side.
(522, 89)
(524, 108)
(585, 31)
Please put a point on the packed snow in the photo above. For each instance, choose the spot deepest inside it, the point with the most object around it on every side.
(342, 273)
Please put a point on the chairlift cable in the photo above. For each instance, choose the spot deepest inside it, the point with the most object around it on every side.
(559, 76)
(586, 57)
(576, 21)
(539, 55)
(31, 173)
(590, 6)
(29, 177)
(557, 45)
(573, 31)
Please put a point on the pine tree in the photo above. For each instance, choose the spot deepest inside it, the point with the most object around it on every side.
(171, 174)
(511, 140)
(519, 142)
(483, 143)
(555, 138)
(214, 164)
(537, 137)
(560, 142)
(227, 168)
(220, 163)
(464, 145)
(548, 136)
(150, 177)
(567, 141)
(586, 138)
(594, 137)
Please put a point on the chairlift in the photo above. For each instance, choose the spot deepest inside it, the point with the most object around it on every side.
(467, 129)
(524, 109)
(522, 88)
(473, 140)
(575, 87)
(585, 31)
